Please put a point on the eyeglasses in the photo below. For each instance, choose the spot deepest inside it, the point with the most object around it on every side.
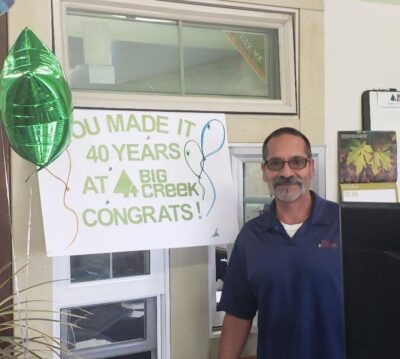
(295, 163)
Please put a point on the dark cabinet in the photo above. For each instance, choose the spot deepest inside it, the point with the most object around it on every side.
(371, 277)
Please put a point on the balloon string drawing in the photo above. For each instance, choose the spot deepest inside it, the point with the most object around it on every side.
(35, 103)
(66, 189)
(196, 155)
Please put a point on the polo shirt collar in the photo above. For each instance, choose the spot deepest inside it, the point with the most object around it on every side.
(318, 214)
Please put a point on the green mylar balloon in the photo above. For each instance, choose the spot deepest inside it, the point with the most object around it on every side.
(35, 101)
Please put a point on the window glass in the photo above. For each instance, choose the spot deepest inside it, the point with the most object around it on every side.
(229, 61)
(122, 53)
(255, 191)
(130, 264)
(97, 325)
(221, 263)
(125, 329)
(90, 267)
(109, 265)
(127, 53)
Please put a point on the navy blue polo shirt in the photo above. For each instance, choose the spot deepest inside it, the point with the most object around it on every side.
(294, 284)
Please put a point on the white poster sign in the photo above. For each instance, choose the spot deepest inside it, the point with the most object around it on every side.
(139, 180)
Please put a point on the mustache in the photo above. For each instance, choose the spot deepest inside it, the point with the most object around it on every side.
(292, 180)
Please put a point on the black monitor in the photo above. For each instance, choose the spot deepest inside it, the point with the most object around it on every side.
(370, 235)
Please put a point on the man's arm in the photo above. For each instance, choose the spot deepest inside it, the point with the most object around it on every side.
(233, 336)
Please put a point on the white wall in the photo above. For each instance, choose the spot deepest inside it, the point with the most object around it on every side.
(362, 52)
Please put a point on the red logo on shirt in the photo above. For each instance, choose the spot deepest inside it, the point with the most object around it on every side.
(327, 244)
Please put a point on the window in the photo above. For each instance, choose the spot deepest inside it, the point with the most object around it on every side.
(177, 56)
(116, 302)
(234, 63)
(252, 196)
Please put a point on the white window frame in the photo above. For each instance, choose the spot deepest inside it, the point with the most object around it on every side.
(283, 19)
(155, 284)
(239, 154)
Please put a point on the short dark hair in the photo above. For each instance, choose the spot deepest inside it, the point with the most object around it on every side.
(286, 131)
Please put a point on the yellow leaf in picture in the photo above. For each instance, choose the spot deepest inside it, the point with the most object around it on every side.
(381, 159)
(360, 154)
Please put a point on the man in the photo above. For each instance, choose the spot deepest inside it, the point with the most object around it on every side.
(286, 265)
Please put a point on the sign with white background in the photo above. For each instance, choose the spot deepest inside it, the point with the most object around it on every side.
(134, 180)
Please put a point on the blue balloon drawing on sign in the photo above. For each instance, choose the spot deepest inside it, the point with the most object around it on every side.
(196, 154)
(5, 5)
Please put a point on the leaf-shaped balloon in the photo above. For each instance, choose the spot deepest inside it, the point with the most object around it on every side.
(35, 101)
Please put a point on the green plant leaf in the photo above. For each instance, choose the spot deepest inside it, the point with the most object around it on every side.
(17, 315)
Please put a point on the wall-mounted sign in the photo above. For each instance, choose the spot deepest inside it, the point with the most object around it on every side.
(139, 180)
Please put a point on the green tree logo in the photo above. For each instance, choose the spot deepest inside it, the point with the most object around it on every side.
(125, 185)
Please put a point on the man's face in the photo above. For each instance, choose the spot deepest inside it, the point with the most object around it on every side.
(287, 184)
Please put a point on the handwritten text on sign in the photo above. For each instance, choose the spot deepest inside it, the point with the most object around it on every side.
(140, 180)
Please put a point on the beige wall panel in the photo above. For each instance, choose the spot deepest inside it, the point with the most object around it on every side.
(189, 303)
(29, 246)
(26, 210)
(251, 128)
(36, 273)
(36, 14)
(311, 75)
